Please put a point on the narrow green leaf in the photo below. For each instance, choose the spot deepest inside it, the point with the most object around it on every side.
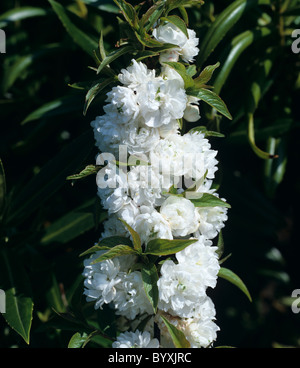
(150, 278)
(173, 4)
(18, 68)
(108, 243)
(178, 22)
(2, 189)
(117, 251)
(230, 276)
(177, 336)
(86, 41)
(146, 40)
(16, 284)
(88, 170)
(73, 224)
(20, 13)
(206, 74)
(50, 178)
(113, 56)
(61, 106)
(164, 247)
(128, 11)
(77, 340)
(137, 244)
(206, 200)
(180, 69)
(152, 15)
(211, 99)
(95, 90)
(251, 137)
(208, 133)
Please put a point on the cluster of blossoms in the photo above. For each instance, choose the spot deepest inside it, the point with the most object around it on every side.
(141, 120)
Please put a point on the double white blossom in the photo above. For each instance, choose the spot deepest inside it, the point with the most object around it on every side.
(142, 113)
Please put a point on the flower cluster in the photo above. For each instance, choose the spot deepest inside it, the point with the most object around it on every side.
(151, 187)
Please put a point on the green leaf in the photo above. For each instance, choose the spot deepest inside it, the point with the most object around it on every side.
(2, 189)
(180, 69)
(208, 133)
(20, 13)
(73, 224)
(86, 41)
(211, 99)
(178, 22)
(16, 284)
(152, 15)
(173, 4)
(50, 178)
(206, 75)
(137, 244)
(95, 90)
(61, 106)
(150, 278)
(88, 170)
(164, 247)
(177, 336)
(117, 251)
(230, 276)
(18, 68)
(113, 56)
(77, 340)
(251, 137)
(206, 200)
(129, 12)
(146, 40)
(108, 243)
(219, 28)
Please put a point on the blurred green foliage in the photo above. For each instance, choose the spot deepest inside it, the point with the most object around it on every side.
(47, 221)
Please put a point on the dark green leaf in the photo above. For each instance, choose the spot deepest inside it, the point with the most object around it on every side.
(206, 200)
(178, 22)
(2, 189)
(208, 133)
(72, 224)
(150, 278)
(137, 244)
(16, 284)
(113, 56)
(61, 106)
(95, 90)
(20, 13)
(129, 12)
(180, 69)
(108, 243)
(230, 276)
(50, 178)
(211, 99)
(86, 41)
(164, 247)
(152, 15)
(177, 335)
(117, 251)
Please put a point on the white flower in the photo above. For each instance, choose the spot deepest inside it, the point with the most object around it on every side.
(179, 293)
(181, 214)
(187, 46)
(189, 155)
(202, 261)
(146, 185)
(135, 339)
(113, 227)
(191, 113)
(189, 50)
(211, 221)
(200, 333)
(150, 224)
(161, 101)
(123, 105)
(102, 278)
(131, 299)
(139, 138)
(136, 74)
